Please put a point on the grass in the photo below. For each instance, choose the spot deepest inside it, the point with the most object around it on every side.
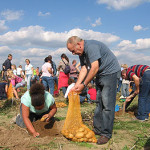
(7, 106)
(134, 134)
(60, 118)
(49, 146)
(84, 144)
(130, 125)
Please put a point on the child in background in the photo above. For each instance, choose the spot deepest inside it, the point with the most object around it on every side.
(20, 72)
(91, 93)
(16, 82)
(71, 84)
(13, 67)
(125, 85)
(3, 89)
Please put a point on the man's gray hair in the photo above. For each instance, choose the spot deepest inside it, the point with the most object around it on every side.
(74, 40)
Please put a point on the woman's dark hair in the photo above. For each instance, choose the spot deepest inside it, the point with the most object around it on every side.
(28, 60)
(37, 91)
(64, 56)
(47, 59)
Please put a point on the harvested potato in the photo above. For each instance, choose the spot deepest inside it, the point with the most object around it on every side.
(90, 140)
(43, 119)
(85, 140)
(89, 135)
(74, 139)
(81, 129)
(85, 132)
(70, 136)
(60, 104)
(81, 140)
(94, 140)
(79, 135)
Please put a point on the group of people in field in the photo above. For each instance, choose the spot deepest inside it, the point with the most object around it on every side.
(97, 63)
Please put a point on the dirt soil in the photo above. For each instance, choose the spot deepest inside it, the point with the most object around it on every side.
(52, 129)
(13, 137)
(18, 138)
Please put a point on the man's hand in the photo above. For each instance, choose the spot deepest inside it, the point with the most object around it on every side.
(35, 134)
(78, 88)
(128, 99)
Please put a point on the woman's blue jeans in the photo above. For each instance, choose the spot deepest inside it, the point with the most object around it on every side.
(125, 90)
(48, 82)
(119, 85)
(64, 89)
(106, 98)
(144, 97)
(21, 84)
(28, 77)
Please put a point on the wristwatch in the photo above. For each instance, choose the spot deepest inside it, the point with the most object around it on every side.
(84, 84)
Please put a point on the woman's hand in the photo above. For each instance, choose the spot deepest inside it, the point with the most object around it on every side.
(35, 134)
(47, 117)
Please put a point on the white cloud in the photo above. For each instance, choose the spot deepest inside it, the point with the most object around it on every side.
(3, 27)
(35, 43)
(138, 28)
(36, 36)
(11, 15)
(132, 58)
(97, 22)
(141, 44)
(121, 4)
(4, 49)
(43, 14)
(37, 56)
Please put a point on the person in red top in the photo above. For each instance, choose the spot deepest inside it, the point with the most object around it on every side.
(140, 74)
(91, 92)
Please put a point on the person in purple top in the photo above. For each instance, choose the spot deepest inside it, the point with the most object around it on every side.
(73, 71)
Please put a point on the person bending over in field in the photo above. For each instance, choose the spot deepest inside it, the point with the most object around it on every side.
(35, 104)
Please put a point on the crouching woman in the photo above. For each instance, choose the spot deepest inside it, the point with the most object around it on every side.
(35, 104)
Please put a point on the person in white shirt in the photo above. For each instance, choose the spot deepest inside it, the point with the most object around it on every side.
(20, 72)
(28, 73)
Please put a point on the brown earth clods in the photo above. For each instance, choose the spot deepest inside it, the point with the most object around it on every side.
(51, 129)
(19, 138)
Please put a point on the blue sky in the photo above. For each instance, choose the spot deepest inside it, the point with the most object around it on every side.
(35, 28)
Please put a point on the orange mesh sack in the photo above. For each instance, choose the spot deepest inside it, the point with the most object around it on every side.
(73, 128)
(10, 92)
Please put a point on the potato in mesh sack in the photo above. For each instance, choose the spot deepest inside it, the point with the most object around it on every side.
(73, 128)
